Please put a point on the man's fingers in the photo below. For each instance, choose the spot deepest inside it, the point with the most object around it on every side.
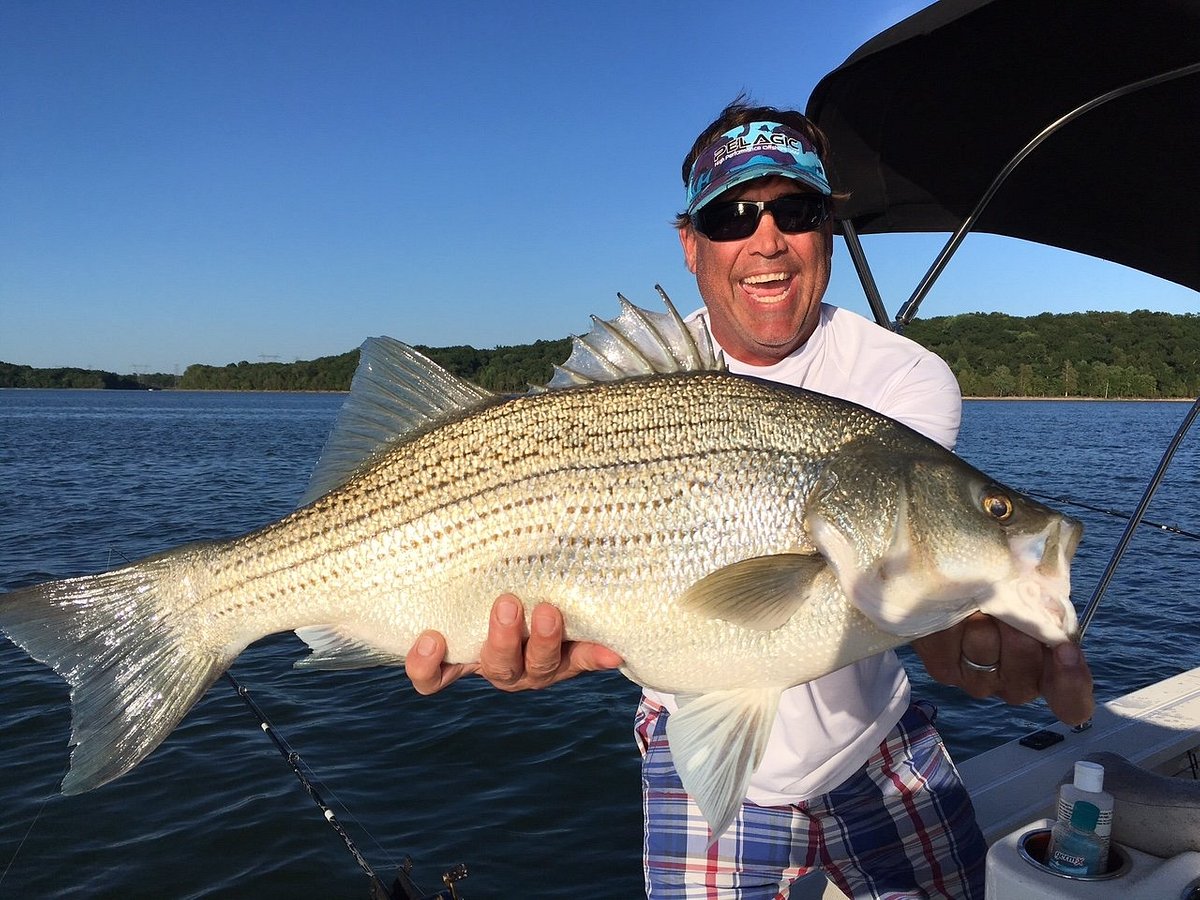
(1067, 685)
(423, 664)
(940, 654)
(502, 657)
(981, 645)
(581, 656)
(425, 668)
(511, 659)
(980, 641)
(544, 650)
(1024, 671)
(1022, 664)
(947, 655)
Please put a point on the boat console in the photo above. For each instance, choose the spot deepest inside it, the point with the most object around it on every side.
(1154, 783)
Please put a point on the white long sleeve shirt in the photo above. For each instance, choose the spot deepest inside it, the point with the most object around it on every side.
(825, 730)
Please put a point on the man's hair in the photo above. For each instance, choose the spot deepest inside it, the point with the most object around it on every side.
(741, 112)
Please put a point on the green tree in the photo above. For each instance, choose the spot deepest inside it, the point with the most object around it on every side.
(1070, 379)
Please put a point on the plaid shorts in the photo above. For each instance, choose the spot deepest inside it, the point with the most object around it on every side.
(902, 826)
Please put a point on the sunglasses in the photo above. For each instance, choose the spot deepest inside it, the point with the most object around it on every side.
(736, 220)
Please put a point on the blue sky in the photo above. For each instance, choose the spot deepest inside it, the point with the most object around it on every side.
(210, 182)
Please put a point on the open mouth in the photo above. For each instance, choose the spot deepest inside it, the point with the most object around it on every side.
(769, 287)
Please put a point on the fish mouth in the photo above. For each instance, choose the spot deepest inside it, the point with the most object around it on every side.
(1037, 600)
(1051, 616)
(1049, 552)
(1065, 542)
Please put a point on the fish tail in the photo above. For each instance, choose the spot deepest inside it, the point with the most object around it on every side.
(133, 658)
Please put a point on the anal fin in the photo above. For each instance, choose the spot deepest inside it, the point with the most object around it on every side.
(334, 649)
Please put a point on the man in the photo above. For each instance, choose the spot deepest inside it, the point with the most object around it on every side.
(855, 779)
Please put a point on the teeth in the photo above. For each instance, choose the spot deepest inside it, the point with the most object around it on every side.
(765, 279)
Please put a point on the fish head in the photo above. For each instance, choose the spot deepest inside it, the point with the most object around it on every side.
(921, 541)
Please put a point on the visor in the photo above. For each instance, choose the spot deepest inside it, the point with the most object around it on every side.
(757, 150)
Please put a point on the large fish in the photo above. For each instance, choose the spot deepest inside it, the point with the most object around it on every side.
(729, 537)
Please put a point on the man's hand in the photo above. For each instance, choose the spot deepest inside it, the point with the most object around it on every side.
(511, 659)
(1025, 668)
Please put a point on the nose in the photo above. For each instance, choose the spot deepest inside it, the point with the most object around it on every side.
(767, 239)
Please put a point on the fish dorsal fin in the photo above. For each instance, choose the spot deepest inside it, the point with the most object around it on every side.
(760, 593)
(638, 342)
(395, 390)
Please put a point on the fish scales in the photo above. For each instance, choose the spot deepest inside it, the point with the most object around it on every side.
(652, 479)
(728, 537)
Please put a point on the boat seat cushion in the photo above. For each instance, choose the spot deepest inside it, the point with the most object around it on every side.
(1153, 813)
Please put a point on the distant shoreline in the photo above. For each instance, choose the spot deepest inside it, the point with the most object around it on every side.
(331, 391)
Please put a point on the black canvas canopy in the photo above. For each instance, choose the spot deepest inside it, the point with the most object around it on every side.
(924, 116)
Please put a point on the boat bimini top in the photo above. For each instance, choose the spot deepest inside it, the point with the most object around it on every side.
(1072, 124)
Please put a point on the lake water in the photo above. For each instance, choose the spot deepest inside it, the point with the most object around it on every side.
(537, 793)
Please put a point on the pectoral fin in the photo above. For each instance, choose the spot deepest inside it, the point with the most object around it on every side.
(761, 593)
(717, 741)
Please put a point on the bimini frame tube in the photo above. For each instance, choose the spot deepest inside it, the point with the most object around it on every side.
(870, 288)
(909, 310)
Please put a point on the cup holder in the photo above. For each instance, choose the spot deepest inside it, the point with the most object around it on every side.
(1034, 844)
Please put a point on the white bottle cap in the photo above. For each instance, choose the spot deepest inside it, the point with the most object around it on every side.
(1089, 776)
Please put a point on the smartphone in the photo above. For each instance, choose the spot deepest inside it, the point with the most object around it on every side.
(1040, 740)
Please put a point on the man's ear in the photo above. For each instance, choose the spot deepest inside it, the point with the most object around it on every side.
(687, 239)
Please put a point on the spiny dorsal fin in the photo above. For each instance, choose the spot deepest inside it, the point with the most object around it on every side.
(637, 342)
(395, 390)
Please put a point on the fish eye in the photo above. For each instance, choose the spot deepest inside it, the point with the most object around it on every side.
(998, 505)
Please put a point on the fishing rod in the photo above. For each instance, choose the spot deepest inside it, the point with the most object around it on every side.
(404, 888)
(1067, 501)
(1135, 519)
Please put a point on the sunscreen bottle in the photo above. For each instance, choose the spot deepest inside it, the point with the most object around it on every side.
(1088, 785)
(1075, 849)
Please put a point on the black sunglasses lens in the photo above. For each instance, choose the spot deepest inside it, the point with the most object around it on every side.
(797, 214)
(737, 220)
(727, 221)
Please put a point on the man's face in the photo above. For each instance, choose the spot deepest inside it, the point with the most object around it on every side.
(763, 293)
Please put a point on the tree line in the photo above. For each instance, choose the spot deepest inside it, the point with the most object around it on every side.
(500, 369)
(1094, 354)
(1141, 354)
(14, 376)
